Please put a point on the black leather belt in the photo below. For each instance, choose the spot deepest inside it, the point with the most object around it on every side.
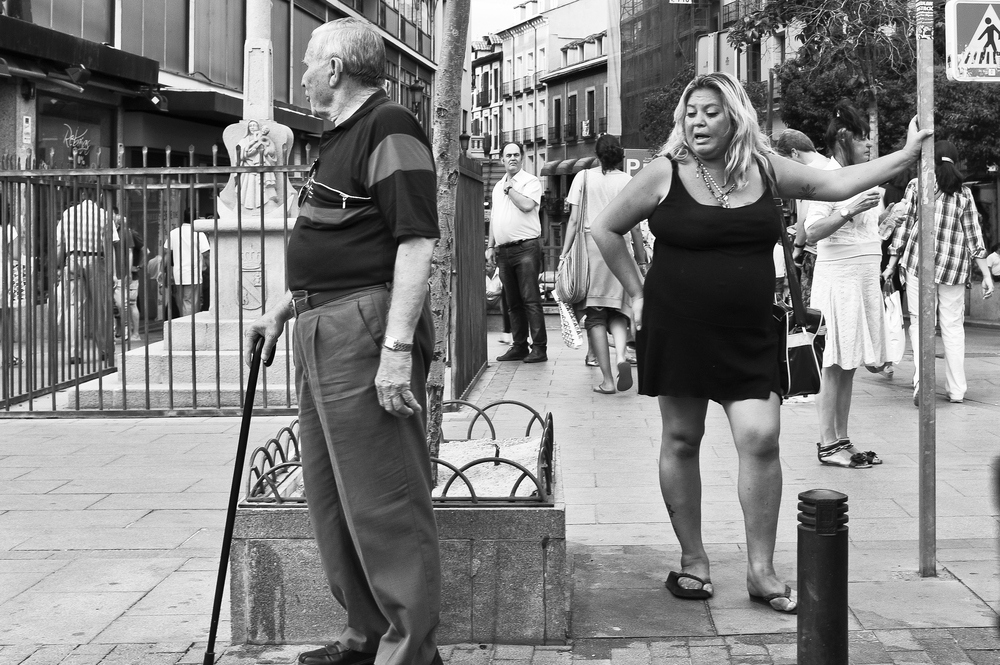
(303, 301)
(80, 253)
(516, 242)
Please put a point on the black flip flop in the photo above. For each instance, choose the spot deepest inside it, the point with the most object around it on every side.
(766, 600)
(674, 587)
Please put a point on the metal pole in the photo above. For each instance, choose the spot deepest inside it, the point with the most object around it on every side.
(822, 564)
(925, 114)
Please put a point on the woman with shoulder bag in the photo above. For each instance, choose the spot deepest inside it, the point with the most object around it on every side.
(606, 305)
(706, 330)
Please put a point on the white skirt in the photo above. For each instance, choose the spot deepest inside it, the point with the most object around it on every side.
(850, 297)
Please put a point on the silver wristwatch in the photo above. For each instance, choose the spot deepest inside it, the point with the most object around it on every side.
(394, 344)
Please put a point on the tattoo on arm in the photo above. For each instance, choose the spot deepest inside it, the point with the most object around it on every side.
(807, 192)
(671, 511)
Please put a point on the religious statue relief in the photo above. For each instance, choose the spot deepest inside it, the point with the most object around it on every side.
(258, 143)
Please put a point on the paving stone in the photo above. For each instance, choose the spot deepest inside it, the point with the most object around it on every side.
(630, 656)
(513, 652)
(910, 657)
(49, 654)
(664, 650)
(783, 654)
(985, 657)
(709, 655)
(16, 653)
(976, 638)
(897, 640)
(944, 651)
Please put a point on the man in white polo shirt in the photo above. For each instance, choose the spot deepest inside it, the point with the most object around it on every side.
(515, 246)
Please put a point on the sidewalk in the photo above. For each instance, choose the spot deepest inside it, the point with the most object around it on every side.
(110, 530)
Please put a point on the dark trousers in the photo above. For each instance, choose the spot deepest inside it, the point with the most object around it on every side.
(519, 268)
(367, 477)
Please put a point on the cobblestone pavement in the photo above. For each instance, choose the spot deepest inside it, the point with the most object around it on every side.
(110, 531)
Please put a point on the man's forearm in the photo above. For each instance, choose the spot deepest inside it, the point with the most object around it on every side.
(409, 289)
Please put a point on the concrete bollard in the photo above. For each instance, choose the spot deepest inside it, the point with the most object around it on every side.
(822, 564)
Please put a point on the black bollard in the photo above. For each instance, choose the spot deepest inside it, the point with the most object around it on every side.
(822, 609)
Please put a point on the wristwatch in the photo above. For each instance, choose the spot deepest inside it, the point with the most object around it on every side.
(394, 344)
(845, 214)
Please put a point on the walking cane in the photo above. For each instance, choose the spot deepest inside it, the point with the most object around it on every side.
(234, 496)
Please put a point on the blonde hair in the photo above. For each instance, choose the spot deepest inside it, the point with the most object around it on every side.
(748, 140)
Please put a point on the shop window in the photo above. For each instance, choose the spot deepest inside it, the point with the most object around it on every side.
(65, 124)
(280, 38)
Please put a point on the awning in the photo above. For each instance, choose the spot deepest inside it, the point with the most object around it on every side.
(585, 163)
(565, 167)
(549, 168)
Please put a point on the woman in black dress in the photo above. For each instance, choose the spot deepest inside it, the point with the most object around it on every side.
(705, 329)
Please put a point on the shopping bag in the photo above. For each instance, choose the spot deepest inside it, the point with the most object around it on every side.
(895, 340)
(801, 360)
(570, 327)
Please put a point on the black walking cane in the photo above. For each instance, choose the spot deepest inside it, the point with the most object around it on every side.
(234, 497)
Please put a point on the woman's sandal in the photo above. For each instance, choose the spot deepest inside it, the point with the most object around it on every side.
(830, 456)
(791, 607)
(674, 586)
(871, 456)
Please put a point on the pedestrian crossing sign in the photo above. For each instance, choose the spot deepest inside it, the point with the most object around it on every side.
(972, 36)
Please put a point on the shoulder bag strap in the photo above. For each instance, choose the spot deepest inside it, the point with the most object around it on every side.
(794, 288)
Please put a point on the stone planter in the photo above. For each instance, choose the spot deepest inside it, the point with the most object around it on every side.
(504, 574)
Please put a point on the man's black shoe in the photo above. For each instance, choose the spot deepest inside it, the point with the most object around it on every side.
(536, 356)
(513, 353)
(335, 654)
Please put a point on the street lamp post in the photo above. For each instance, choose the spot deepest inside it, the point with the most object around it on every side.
(416, 97)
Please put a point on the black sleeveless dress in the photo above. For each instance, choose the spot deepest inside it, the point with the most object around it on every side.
(707, 324)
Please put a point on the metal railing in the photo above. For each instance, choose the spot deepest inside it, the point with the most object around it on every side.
(274, 475)
(540, 133)
(83, 331)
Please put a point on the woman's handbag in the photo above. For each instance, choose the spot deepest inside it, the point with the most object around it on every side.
(573, 276)
(570, 327)
(801, 334)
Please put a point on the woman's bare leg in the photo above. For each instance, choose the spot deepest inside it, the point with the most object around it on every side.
(598, 336)
(755, 424)
(680, 480)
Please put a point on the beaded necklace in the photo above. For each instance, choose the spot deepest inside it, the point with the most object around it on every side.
(713, 188)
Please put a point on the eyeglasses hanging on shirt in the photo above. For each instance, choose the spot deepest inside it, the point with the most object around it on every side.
(328, 196)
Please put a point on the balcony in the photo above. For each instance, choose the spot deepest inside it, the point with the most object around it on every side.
(483, 98)
(588, 130)
(519, 136)
(554, 136)
(540, 133)
(538, 79)
(528, 83)
(516, 85)
(508, 137)
(602, 125)
(571, 127)
(506, 89)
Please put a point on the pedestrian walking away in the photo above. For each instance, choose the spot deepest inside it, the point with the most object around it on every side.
(957, 238)
(606, 305)
(358, 260)
(704, 316)
(846, 289)
(515, 245)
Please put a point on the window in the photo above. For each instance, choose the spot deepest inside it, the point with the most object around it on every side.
(87, 19)
(219, 56)
(557, 120)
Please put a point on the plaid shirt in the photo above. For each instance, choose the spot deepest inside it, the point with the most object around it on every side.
(958, 237)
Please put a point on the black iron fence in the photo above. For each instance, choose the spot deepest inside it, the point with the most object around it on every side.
(125, 289)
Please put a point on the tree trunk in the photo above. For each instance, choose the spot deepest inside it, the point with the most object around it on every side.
(446, 128)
